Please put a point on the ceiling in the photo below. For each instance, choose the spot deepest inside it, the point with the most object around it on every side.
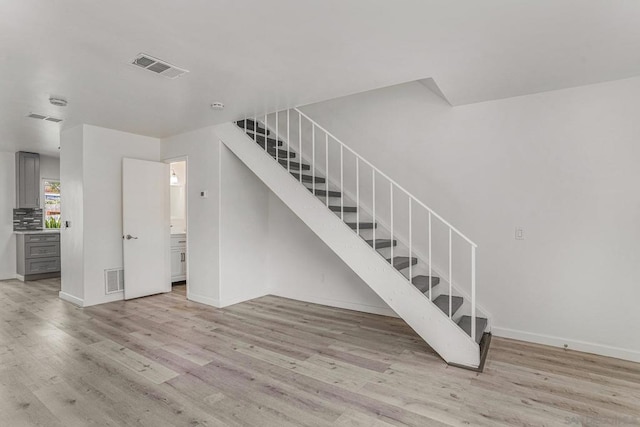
(258, 56)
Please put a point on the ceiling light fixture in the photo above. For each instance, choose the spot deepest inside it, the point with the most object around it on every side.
(58, 102)
(217, 106)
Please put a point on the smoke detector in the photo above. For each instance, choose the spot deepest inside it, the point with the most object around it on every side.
(158, 66)
(217, 106)
(58, 102)
(44, 117)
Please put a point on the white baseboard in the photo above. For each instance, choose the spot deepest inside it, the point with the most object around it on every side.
(384, 311)
(203, 299)
(583, 346)
(70, 298)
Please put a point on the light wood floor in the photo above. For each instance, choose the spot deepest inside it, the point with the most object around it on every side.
(164, 361)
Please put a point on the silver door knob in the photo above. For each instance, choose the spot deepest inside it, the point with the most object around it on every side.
(129, 237)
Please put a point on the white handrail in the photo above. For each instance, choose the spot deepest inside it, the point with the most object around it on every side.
(445, 222)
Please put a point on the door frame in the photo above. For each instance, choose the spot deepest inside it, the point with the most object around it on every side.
(184, 159)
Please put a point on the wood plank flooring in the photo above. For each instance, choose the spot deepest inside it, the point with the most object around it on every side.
(165, 361)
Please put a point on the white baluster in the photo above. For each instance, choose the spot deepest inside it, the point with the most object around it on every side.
(450, 268)
(373, 198)
(300, 146)
(473, 292)
(313, 157)
(410, 243)
(391, 208)
(326, 165)
(341, 182)
(358, 195)
(288, 141)
(430, 279)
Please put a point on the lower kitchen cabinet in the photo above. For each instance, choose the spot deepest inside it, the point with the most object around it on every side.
(38, 255)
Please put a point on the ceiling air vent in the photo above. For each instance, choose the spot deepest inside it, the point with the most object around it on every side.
(43, 117)
(158, 66)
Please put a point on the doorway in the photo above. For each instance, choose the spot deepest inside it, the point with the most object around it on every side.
(179, 224)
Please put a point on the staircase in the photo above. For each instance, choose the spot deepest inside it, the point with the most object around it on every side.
(387, 236)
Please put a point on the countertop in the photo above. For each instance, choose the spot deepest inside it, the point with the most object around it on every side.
(39, 231)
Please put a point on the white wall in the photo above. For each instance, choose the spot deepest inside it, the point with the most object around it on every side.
(72, 209)
(104, 150)
(201, 148)
(49, 167)
(7, 203)
(563, 165)
(91, 180)
(244, 232)
(303, 267)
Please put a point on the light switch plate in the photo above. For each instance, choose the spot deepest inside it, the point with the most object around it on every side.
(519, 233)
(203, 194)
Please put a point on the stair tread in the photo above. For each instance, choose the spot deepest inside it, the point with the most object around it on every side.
(382, 243)
(282, 154)
(442, 302)
(363, 225)
(251, 125)
(259, 138)
(308, 178)
(422, 282)
(345, 209)
(293, 165)
(402, 262)
(481, 324)
(322, 192)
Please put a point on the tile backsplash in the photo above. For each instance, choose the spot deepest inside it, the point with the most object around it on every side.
(27, 219)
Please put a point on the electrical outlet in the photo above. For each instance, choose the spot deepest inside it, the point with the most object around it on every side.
(519, 233)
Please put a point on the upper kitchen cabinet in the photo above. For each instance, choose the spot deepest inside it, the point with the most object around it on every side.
(27, 180)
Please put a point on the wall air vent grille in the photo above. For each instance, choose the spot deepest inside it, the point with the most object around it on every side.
(43, 117)
(114, 280)
(158, 66)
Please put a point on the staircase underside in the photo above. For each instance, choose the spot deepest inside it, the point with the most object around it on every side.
(407, 299)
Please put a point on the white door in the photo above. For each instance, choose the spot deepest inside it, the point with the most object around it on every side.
(146, 232)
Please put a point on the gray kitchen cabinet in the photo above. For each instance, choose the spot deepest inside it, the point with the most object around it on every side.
(27, 180)
(38, 255)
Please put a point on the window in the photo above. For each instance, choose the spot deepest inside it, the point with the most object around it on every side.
(51, 204)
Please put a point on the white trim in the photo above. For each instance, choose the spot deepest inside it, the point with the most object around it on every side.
(577, 345)
(203, 299)
(20, 277)
(70, 298)
(372, 309)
